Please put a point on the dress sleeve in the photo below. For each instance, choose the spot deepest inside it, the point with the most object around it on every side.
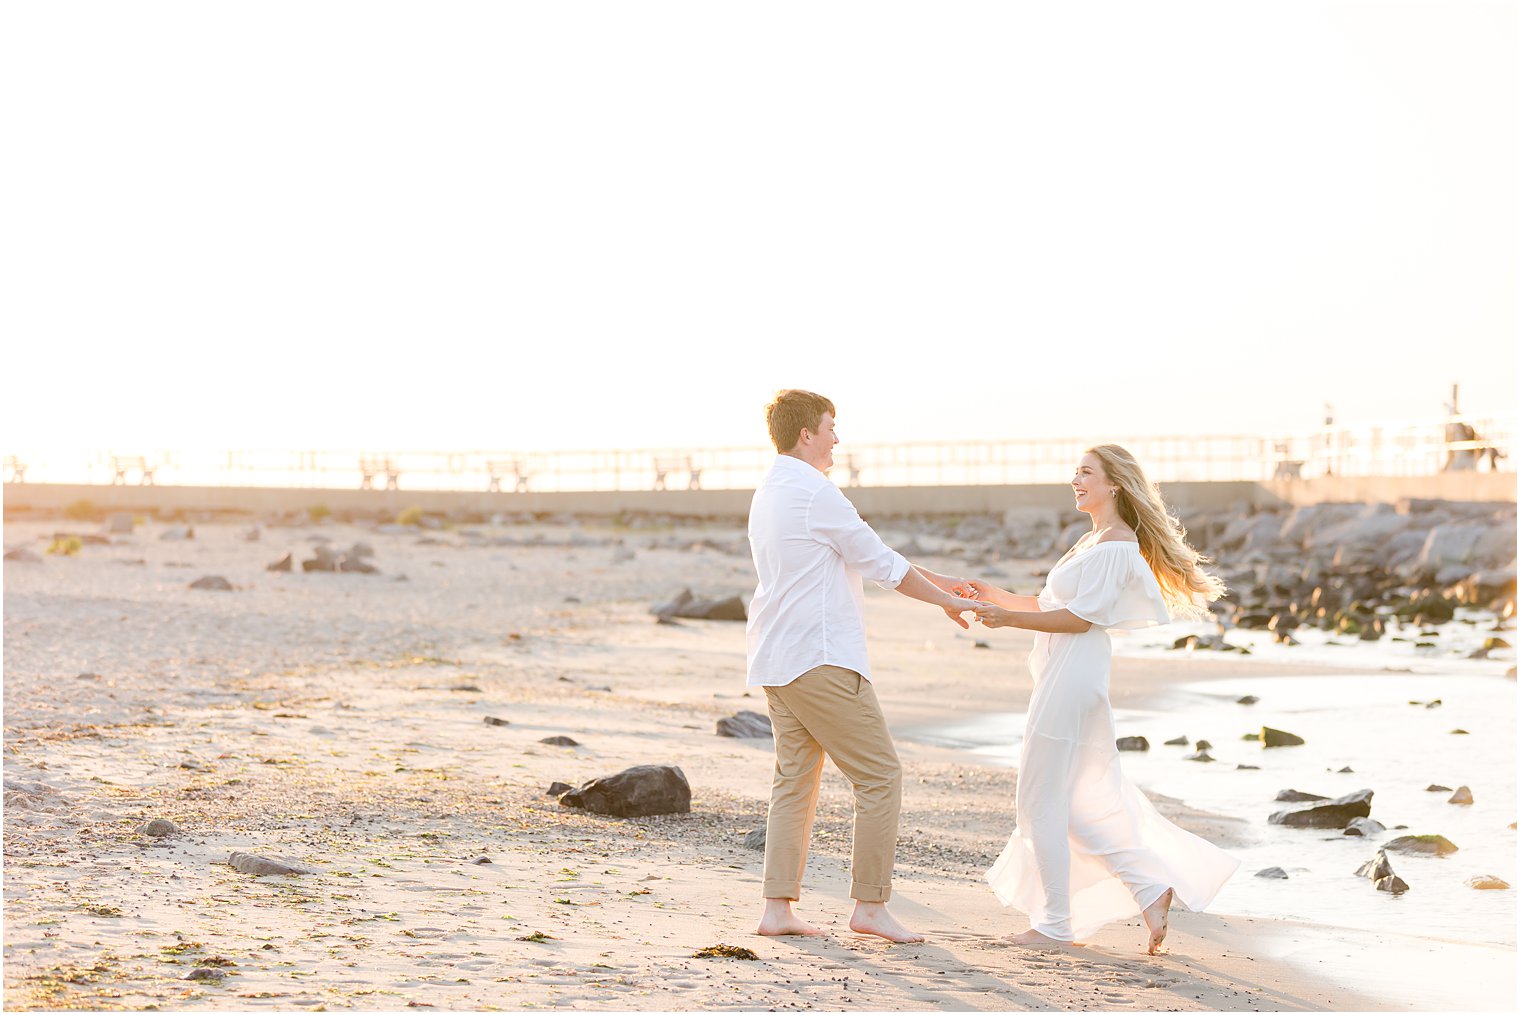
(1115, 588)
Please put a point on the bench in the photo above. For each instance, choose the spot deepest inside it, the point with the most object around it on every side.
(369, 468)
(665, 466)
(15, 470)
(1286, 468)
(849, 463)
(123, 464)
(499, 469)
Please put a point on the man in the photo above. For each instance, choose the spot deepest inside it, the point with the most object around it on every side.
(807, 648)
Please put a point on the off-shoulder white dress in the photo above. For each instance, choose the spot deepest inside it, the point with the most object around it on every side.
(1088, 847)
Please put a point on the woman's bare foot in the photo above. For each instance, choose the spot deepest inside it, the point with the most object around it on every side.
(778, 920)
(1032, 938)
(1155, 918)
(873, 918)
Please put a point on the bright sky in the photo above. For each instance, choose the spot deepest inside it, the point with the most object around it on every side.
(563, 225)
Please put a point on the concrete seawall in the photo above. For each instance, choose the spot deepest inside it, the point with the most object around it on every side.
(880, 501)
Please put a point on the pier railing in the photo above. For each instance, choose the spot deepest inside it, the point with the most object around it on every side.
(1403, 448)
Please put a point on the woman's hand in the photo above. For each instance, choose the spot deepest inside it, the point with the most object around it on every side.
(992, 616)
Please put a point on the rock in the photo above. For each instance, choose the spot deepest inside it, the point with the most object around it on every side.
(253, 535)
(1203, 745)
(1279, 738)
(688, 606)
(212, 582)
(1463, 795)
(673, 607)
(356, 565)
(1345, 770)
(159, 827)
(285, 563)
(635, 792)
(259, 866)
(1335, 813)
(560, 742)
(981, 644)
(1200, 756)
(1486, 881)
(1393, 883)
(1448, 545)
(360, 550)
(556, 788)
(1435, 788)
(119, 524)
(1293, 796)
(1248, 768)
(177, 532)
(481, 859)
(1460, 732)
(1249, 699)
(756, 839)
(1275, 873)
(1364, 827)
(1429, 845)
(22, 555)
(491, 720)
(1132, 744)
(205, 973)
(745, 724)
(1177, 742)
(1377, 867)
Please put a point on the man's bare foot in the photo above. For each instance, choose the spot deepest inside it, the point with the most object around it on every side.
(1155, 918)
(778, 920)
(1032, 938)
(873, 918)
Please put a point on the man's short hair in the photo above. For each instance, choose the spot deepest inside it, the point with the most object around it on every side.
(792, 411)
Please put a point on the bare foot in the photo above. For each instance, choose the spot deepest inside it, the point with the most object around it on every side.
(873, 918)
(1155, 918)
(1032, 938)
(778, 920)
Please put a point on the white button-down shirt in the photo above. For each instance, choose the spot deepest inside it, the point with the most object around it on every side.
(811, 551)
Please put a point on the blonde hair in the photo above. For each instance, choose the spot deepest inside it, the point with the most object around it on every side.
(793, 411)
(1185, 585)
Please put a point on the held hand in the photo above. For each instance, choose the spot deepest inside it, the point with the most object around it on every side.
(987, 592)
(991, 616)
(959, 606)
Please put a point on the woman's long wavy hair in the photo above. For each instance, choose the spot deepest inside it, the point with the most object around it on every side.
(1185, 585)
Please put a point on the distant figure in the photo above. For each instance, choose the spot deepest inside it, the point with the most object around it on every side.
(1088, 847)
(807, 648)
(1461, 459)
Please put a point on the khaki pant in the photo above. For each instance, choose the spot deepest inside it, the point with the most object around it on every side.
(831, 710)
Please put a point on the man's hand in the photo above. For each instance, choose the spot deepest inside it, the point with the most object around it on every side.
(957, 607)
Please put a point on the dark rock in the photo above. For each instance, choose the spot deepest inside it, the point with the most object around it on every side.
(1203, 745)
(1463, 795)
(1293, 796)
(1132, 744)
(1364, 827)
(671, 608)
(745, 724)
(1486, 881)
(1177, 742)
(491, 720)
(1249, 699)
(285, 563)
(1328, 813)
(481, 859)
(556, 788)
(1429, 845)
(1248, 768)
(212, 582)
(205, 973)
(1436, 788)
(635, 792)
(731, 608)
(560, 742)
(1393, 884)
(356, 565)
(755, 839)
(1275, 873)
(1200, 756)
(1460, 732)
(1279, 738)
(981, 644)
(1345, 770)
(1377, 867)
(159, 827)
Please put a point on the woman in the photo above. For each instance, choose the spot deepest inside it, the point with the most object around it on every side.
(1088, 847)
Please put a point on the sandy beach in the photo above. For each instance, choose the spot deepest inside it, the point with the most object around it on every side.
(341, 722)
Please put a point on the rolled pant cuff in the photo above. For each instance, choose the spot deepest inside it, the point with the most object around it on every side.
(782, 890)
(870, 893)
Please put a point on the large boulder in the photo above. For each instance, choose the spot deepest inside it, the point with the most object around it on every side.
(687, 605)
(1335, 813)
(1031, 532)
(745, 724)
(1132, 744)
(633, 793)
(1295, 796)
(1448, 545)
